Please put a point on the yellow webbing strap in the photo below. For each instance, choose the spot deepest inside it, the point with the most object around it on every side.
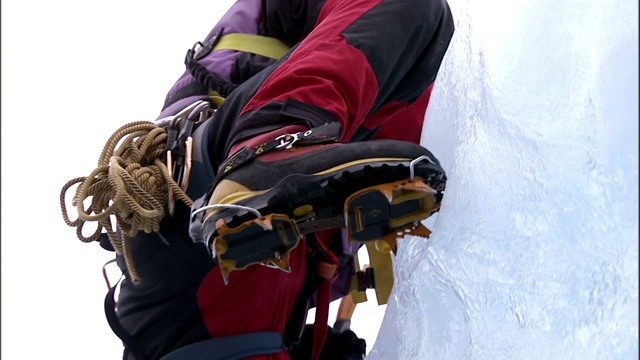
(357, 296)
(382, 272)
(256, 44)
(380, 261)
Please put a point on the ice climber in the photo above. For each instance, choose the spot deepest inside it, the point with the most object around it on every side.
(297, 124)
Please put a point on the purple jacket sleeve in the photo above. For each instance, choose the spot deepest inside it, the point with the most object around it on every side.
(287, 20)
(242, 17)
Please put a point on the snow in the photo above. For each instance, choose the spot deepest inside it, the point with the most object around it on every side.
(534, 254)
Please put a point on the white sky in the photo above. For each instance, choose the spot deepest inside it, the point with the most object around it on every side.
(538, 260)
(72, 73)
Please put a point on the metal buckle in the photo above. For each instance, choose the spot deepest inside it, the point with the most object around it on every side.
(413, 163)
(287, 140)
(179, 149)
(200, 50)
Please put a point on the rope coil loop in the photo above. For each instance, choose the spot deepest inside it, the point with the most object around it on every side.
(130, 184)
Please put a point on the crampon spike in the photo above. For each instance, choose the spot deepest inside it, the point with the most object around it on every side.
(266, 241)
(280, 261)
(383, 210)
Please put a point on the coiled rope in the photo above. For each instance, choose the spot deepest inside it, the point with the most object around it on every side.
(130, 183)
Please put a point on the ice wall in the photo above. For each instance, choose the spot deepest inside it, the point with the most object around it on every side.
(534, 254)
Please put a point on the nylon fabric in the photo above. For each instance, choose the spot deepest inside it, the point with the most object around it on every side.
(318, 73)
(256, 44)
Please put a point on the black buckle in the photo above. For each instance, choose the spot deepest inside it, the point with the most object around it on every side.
(266, 241)
(366, 279)
(200, 50)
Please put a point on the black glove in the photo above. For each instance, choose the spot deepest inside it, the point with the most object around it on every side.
(337, 346)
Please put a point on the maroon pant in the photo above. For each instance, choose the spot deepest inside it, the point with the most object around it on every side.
(368, 64)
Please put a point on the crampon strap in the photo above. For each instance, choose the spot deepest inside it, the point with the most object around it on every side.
(322, 134)
(328, 271)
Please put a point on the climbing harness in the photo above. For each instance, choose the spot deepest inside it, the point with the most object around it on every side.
(230, 347)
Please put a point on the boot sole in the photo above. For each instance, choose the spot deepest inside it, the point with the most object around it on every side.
(370, 198)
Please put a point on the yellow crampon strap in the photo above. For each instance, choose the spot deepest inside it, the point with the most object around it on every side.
(380, 261)
(255, 44)
(357, 296)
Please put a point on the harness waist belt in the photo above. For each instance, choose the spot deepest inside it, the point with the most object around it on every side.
(233, 347)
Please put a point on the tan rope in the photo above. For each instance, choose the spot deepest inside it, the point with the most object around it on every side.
(130, 184)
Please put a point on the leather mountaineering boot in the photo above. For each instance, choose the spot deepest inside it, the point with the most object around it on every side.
(265, 201)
